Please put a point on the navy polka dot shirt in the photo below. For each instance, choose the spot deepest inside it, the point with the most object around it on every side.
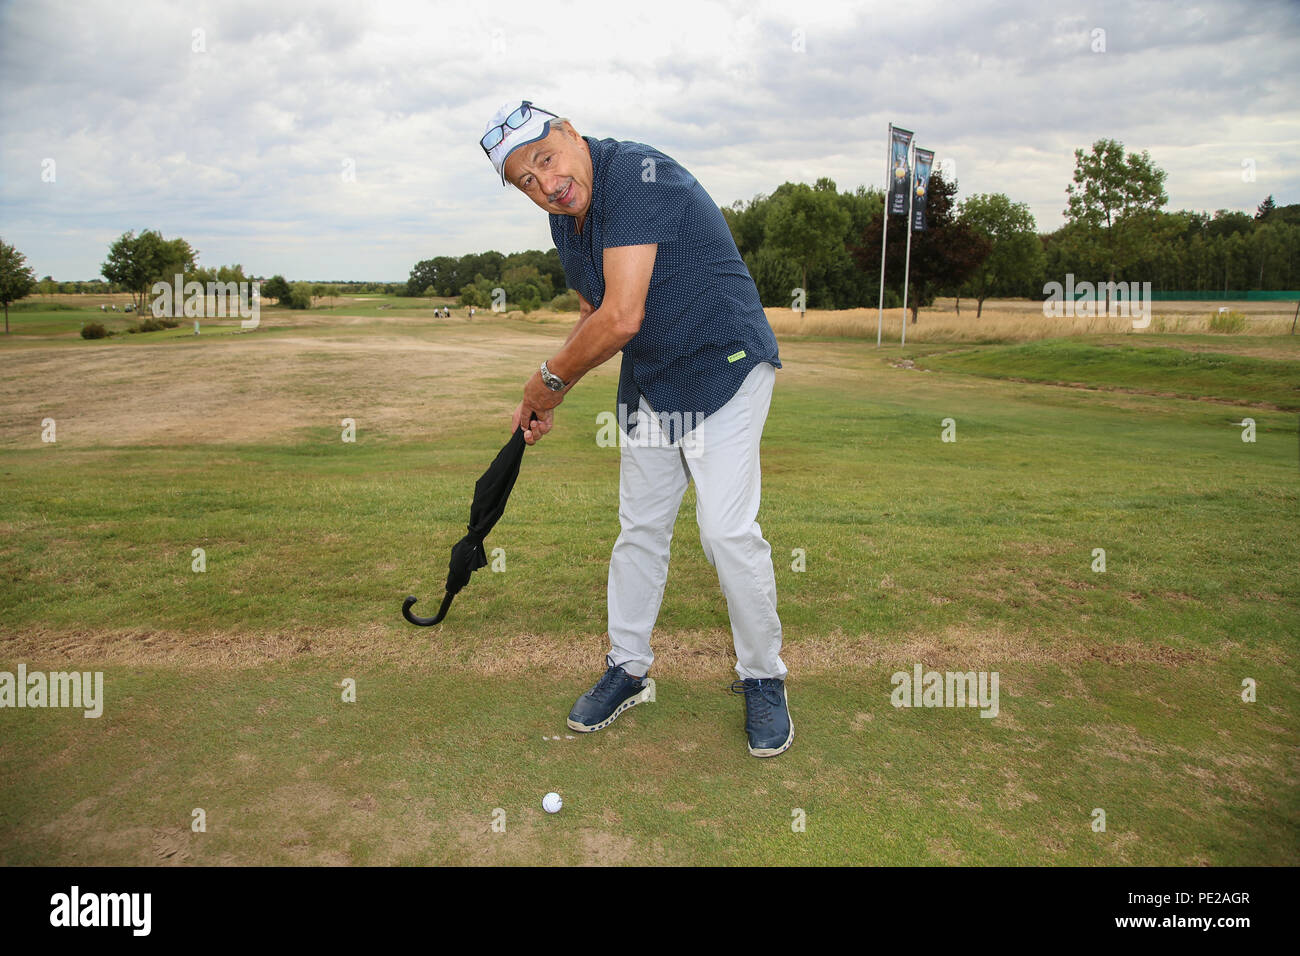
(704, 328)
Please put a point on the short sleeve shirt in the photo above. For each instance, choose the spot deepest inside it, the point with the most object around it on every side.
(704, 328)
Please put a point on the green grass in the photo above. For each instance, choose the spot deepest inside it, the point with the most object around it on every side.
(47, 322)
(1186, 374)
(47, 325)
(39, 305)
(1119, 690)
(997, 528)
(414, 770)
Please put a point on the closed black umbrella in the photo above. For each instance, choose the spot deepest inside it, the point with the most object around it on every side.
(491, 492)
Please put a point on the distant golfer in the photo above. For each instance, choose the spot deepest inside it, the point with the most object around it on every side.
(659, 277)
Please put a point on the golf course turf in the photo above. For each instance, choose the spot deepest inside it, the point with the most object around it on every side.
(226, 688)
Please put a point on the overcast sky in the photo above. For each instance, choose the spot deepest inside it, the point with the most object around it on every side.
(340, 140)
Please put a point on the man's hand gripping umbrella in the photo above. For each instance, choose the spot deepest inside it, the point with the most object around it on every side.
(491, 492)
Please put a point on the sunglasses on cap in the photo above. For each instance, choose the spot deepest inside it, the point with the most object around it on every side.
(493, 137)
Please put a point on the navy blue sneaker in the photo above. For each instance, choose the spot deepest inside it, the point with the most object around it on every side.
(614, 693)
(767, 715)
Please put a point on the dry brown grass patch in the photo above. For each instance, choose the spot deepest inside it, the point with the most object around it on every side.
(690, 654)
(1020, 321)
(259, 388)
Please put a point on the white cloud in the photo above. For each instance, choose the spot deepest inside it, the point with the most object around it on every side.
(241, 148)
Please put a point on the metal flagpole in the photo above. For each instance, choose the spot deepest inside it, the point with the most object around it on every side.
(884, 231)
(907, 261)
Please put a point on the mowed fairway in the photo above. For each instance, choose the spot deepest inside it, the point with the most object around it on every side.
(224, 690)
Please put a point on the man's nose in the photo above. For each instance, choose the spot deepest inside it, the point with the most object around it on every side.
(553, 186)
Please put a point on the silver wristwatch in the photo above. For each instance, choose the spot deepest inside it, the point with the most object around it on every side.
(551, 380)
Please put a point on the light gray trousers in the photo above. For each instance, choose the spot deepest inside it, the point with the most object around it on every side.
(721, 456)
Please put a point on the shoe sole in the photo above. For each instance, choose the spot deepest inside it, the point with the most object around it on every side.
(647, 696)
(774, 751)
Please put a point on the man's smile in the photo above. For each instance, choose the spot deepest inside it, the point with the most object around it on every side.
(565, 197)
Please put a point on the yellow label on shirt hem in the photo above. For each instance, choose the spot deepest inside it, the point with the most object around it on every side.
(737, 357)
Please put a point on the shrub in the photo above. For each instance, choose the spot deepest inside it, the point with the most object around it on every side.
(276, 288)
(471, 295)
(43, 307)
(93, 330)
(1229, 323)
(526, 302)
(299, 296)
(566, 301)
(478, 294)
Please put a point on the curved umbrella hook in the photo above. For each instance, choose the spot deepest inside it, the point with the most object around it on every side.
(426, 621)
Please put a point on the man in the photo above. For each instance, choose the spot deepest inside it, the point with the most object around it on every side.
(658, 277)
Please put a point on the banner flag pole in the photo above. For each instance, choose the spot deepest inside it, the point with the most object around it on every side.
(907, 260)
(884, 231)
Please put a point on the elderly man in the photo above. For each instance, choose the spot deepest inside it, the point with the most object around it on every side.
(658, 276)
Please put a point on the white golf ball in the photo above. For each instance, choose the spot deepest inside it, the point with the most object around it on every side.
(551, 803)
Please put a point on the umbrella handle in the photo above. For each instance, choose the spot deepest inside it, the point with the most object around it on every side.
(426, 621)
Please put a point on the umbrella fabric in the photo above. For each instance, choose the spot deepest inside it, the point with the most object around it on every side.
(491, 492)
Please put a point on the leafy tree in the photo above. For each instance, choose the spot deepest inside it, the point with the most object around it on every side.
(299, 296)
(477, 293)
(1017, 254)
(774, 275)
(1111, 192)
(846, 285)
(222, 274)
(16, 277)
(944, 255)
(1269, 246)
(526, 287)
(1286, 214)
(1229, 222)
(448, 275)
(277, 288)
(525, 300)
(1157, 238)
(807, 226)
(489, 264)
(231, 273)
(135, 263)
(835, 281)
(426, 274)
(1193, 250)
(547, 266)
(748, 223)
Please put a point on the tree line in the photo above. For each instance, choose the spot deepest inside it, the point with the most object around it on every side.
(816, 247)
(136, 262)
(204, 274)
(527, 280)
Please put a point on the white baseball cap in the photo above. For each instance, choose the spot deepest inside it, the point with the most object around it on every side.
(514, 124)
